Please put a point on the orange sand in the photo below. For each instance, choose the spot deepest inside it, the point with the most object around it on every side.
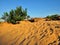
(30, 33)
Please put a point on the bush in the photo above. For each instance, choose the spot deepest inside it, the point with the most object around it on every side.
(53, 17)
(31, 20)
(15, 15)
(13, 21)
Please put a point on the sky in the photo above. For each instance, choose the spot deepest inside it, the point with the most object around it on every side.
(35, 8)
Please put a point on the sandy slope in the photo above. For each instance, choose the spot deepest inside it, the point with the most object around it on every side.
(30, 33)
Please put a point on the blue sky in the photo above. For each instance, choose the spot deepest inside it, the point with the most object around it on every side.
(36, 8)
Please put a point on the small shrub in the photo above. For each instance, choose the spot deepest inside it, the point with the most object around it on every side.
(15, 15)
(53, 17)
(13, 21)
(31, 20)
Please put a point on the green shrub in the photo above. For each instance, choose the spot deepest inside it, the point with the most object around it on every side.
(15, 15)
(13, 21)
(53, 17)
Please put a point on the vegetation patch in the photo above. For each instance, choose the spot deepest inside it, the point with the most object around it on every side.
(15, 15)
(53, 17)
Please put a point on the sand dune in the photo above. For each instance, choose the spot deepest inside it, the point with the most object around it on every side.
(30, 33)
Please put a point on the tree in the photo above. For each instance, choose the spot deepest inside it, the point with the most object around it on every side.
(16, 15)
(5, 16)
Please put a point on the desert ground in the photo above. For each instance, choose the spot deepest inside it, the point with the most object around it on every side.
(40, 32)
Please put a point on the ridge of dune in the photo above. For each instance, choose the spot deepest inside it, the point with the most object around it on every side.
(40, 32)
